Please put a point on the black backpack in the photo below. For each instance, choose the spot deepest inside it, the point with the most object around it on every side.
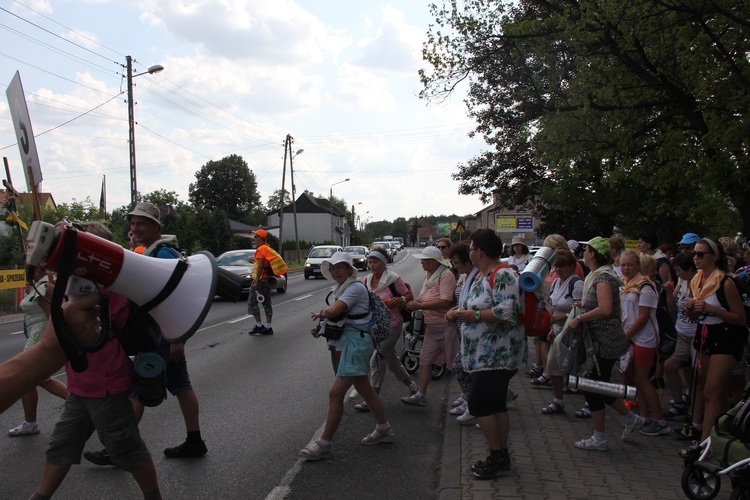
(140, 334)
(743, 287)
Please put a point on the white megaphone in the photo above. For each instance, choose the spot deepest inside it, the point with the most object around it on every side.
(273, 282)
(132, 275)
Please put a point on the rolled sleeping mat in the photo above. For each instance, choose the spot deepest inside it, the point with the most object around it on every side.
(537, 269)
(150, 378)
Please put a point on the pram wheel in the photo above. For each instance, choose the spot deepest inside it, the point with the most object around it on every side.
(739, 493)
(699, 483)
(438, 371)
(410, 361)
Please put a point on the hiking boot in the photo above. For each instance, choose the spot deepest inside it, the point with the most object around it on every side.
(25, 429)
(592, 444)
(100, 457)
(415, 399)
(487, 469)
(630, 429)
(256, 330)
(187, 449)
(267, 331)
(656, 429)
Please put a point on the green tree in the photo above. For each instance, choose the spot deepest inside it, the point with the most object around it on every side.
(274, 200)
(636, 111)
(76, 210)
(228, 185)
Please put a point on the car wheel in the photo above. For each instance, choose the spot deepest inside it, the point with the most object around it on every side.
(307, 276)
(281, 289)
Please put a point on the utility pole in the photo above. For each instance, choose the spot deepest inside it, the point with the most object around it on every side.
(294, 193)
(287, 147)
(131, 137)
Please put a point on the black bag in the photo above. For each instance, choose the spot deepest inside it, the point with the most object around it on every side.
(141, 332)
(332, 328)
(405, 315)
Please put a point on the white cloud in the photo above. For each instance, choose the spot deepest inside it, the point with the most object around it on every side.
(396, 47)
(360, 89)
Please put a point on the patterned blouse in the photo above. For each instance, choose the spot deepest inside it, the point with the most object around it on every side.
(494, 346)
(607, 334)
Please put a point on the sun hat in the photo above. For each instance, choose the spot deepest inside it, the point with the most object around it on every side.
(573, 245)
(601, 245)
(147, 210)
(336, 258)
(689, 239)
(432, 253)
(261, 232)
(520, 240)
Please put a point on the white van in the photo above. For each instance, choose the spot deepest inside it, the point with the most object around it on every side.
(316, 257)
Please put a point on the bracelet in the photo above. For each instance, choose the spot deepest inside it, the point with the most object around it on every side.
(478, 315)
(579, 318)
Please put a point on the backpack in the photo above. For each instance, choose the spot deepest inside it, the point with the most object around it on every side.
(665, 325)
(742, 281)
(535, 317)
(571, 285)
(140, 334)
(380, 319)
(276, 265)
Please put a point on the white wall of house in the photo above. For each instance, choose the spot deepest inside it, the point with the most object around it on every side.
(314, 228)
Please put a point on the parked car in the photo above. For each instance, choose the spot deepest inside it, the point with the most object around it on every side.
(242, 262)
(359, 256)
(315, 258)
(388, 248)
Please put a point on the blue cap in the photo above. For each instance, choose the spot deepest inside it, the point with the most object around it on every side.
(689, 239)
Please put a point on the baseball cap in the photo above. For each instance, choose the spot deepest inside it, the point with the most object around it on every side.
(689, 239)
(261, 232)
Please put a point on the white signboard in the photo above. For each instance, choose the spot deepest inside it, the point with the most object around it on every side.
(24, 134)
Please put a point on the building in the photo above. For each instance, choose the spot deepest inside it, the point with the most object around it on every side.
(508, 221)
(317, 221)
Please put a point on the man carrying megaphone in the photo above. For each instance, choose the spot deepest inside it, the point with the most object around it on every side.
(260, 292)
(145, 224)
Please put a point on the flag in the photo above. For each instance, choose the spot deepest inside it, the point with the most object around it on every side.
(103, 199)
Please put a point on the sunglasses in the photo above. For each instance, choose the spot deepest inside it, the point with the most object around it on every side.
(700, 255)
(442, 247)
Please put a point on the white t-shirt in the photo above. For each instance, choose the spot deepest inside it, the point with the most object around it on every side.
(684, 325)
(630, 304)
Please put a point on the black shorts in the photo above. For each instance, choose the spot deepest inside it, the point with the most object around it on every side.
(721, 339)
(489, 391)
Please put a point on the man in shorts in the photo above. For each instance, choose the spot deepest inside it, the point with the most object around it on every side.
(260, 287)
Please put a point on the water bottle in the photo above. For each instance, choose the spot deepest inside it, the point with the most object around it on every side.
(418, 328)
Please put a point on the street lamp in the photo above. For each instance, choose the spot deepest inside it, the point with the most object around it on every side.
(131, 122)
(294, 198)
(330, 202)
(354, 224)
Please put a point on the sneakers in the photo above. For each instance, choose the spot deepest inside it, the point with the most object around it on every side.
(487, 469)
(266, 331)
(25, 429)
(656, 429)
(465, 418)
(415, 399)
(378, 436)
(459, 401)
(677, 410)
(316, 451)
(459, 410)
(630, 429)
(256, 330)
(592, 444)
(100, 457)
(187, 449)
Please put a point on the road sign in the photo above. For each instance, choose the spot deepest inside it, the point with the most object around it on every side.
(24, 133)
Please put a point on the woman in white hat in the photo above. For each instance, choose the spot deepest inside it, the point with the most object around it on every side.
(440, 339)
(351, 307)
(519, 253)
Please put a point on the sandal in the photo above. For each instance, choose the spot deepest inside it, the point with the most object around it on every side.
(553, 408)
(362, 407)
(542, 380)
(25, 429)
(583, 412)
(315, 451)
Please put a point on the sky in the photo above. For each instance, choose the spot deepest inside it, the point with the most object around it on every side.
(341, 77)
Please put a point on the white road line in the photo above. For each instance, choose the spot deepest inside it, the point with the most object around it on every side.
(304, 297)
(242, 318)
(15, 333)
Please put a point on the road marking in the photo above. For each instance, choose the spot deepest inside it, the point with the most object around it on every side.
(241, 318)
(15, 333)
(304, 297)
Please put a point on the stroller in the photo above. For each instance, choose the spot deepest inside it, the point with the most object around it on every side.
(726, 452)
(413, 337)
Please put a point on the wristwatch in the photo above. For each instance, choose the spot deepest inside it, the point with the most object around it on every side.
(477, 315)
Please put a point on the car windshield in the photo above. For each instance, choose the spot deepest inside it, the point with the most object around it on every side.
(322, 253)
(355, 250)
(235, 259)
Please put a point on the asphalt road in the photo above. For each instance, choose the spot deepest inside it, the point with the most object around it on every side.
(262, 399)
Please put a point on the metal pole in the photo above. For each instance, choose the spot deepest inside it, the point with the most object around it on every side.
(294, 202)
(131, 127)
(287, 147)
(330, 202)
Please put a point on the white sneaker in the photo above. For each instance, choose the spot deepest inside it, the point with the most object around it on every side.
(459, 401)
(592, 444)
(630, 429)
(25, 429)
(459, 410)
(466, 417)
(415, 399)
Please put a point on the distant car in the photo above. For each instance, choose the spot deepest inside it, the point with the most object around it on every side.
(315, 258)
(388, 248)
(359, 256)
(238, 262)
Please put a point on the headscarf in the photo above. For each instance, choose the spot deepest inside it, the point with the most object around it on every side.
(709, 287)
